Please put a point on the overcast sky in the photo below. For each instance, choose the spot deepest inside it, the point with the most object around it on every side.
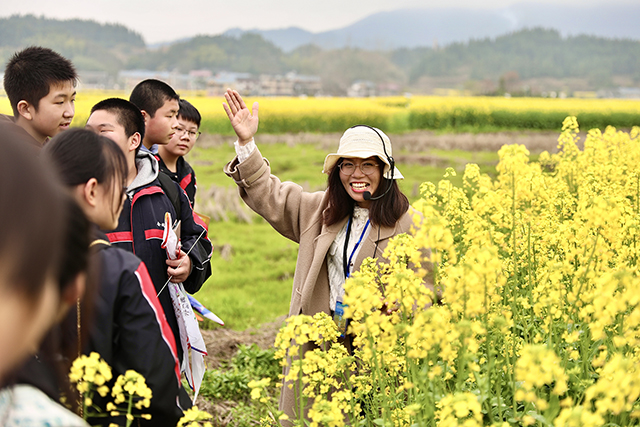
(167, 20)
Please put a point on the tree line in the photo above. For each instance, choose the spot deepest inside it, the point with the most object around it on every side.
(526, 54)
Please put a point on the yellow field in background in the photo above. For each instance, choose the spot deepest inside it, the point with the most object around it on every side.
(399, 114)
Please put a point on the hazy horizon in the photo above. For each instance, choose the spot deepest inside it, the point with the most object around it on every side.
(167, 22)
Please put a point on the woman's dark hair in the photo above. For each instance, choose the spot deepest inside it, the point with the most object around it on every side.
(75, 253)
(79, 155)
(76, 260)
(383, 212)
(32, 217)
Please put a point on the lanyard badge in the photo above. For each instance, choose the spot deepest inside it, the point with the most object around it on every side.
(340, 320)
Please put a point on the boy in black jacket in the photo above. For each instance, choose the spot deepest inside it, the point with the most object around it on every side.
(171, 156)
(141, 223)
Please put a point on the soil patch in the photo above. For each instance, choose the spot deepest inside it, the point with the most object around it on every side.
(222, 344)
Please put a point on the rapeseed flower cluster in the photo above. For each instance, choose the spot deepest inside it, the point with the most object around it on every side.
(92, 374)
(194, 417)
(515, 301)
(459, 409)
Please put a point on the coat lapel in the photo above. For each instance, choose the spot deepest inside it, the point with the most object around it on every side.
(369, 244)
(321, 247)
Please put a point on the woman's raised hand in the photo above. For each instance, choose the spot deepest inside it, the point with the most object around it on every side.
(244, 123)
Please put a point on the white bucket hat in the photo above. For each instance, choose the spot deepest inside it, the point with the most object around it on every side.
(362, 142)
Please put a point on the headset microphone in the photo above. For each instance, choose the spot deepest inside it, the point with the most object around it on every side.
(367, 195)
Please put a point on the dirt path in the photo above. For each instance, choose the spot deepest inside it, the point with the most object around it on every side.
(222, 343)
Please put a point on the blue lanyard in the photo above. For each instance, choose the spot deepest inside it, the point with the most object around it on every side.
(346, 264)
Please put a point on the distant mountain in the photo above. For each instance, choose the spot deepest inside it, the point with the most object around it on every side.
(409, 28)
(488, 52)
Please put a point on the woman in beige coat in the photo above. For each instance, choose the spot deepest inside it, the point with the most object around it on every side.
(354, 218)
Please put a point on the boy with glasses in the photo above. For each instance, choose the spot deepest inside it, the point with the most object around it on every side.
(171, 156)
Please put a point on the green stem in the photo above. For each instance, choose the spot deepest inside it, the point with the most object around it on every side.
(489, 353)
(129, 421)
(300, 397)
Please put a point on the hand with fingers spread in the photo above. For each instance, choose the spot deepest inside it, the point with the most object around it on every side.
(244, 123)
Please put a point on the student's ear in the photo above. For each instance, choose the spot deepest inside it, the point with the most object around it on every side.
(146, 116)
(88, 192)
(134, 141)
(25, 109)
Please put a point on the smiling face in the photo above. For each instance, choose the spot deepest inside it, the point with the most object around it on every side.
(357, 183)
(106, 123)
(54, 113)
(160, 128)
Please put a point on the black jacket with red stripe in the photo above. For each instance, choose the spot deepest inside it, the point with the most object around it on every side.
(184, 176)
(140, 229)
(130, 331)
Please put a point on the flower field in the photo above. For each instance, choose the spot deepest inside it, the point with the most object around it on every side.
(535, 318)
(399, 114)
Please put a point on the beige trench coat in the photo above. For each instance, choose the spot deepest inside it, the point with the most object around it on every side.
(297, 215)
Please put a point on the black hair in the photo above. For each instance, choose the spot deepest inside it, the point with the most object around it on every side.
(76, 244)
(61, 345)
(76, 259)
(32, 217)
(79, 155)
(151, 94)
(31, 72)
(127, 115)
(383, 212)
(188, 112)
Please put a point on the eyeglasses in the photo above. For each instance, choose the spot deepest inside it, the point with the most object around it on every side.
(349, 168)
(192, 135)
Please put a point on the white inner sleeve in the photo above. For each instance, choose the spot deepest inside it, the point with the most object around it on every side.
(244, 151)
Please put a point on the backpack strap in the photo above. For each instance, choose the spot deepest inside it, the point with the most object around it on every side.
(170, 189)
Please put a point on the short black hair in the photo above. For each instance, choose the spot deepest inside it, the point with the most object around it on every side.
(31, 72)
(127, 115)
(189, 112)
(151, 94)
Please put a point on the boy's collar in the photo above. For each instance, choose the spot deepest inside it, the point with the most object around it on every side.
(153, 150)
